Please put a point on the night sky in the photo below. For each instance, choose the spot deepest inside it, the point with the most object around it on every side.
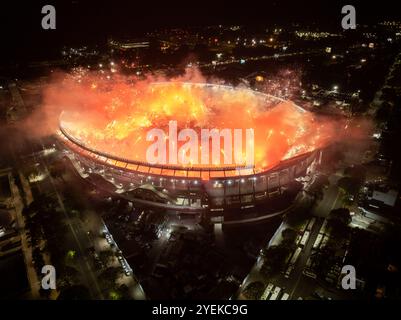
(93, 21)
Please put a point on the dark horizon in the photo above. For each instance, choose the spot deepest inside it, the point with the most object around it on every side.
(91, 22)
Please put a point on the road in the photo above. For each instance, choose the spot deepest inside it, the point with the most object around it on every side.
(78, 236)
(94, 224)
(298, 284)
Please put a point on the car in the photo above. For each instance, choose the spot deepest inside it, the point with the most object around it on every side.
(275, 293)
(319, 294)
(288, 271)
(285, 296)
(309, 273)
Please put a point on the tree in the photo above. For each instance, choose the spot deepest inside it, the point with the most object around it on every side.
(77, 292)
(110, 275)
(274, 258)
(323, 261)
(383, 112)
(339, 220)
(316, 189)
(67, 276)
(348, 184)
(358, 173)
(300, 211)
(123, 290)
(289, 235)
(341, 214)
(106, 256)
(254, 290)
(37, 259)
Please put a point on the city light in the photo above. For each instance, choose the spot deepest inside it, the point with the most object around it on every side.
(216, 152)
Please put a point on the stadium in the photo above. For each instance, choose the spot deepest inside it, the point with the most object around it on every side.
(192, 188)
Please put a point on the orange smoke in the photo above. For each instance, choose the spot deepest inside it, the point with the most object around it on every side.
(114, 115)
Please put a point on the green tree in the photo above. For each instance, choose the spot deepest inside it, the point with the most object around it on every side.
(110, 275)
